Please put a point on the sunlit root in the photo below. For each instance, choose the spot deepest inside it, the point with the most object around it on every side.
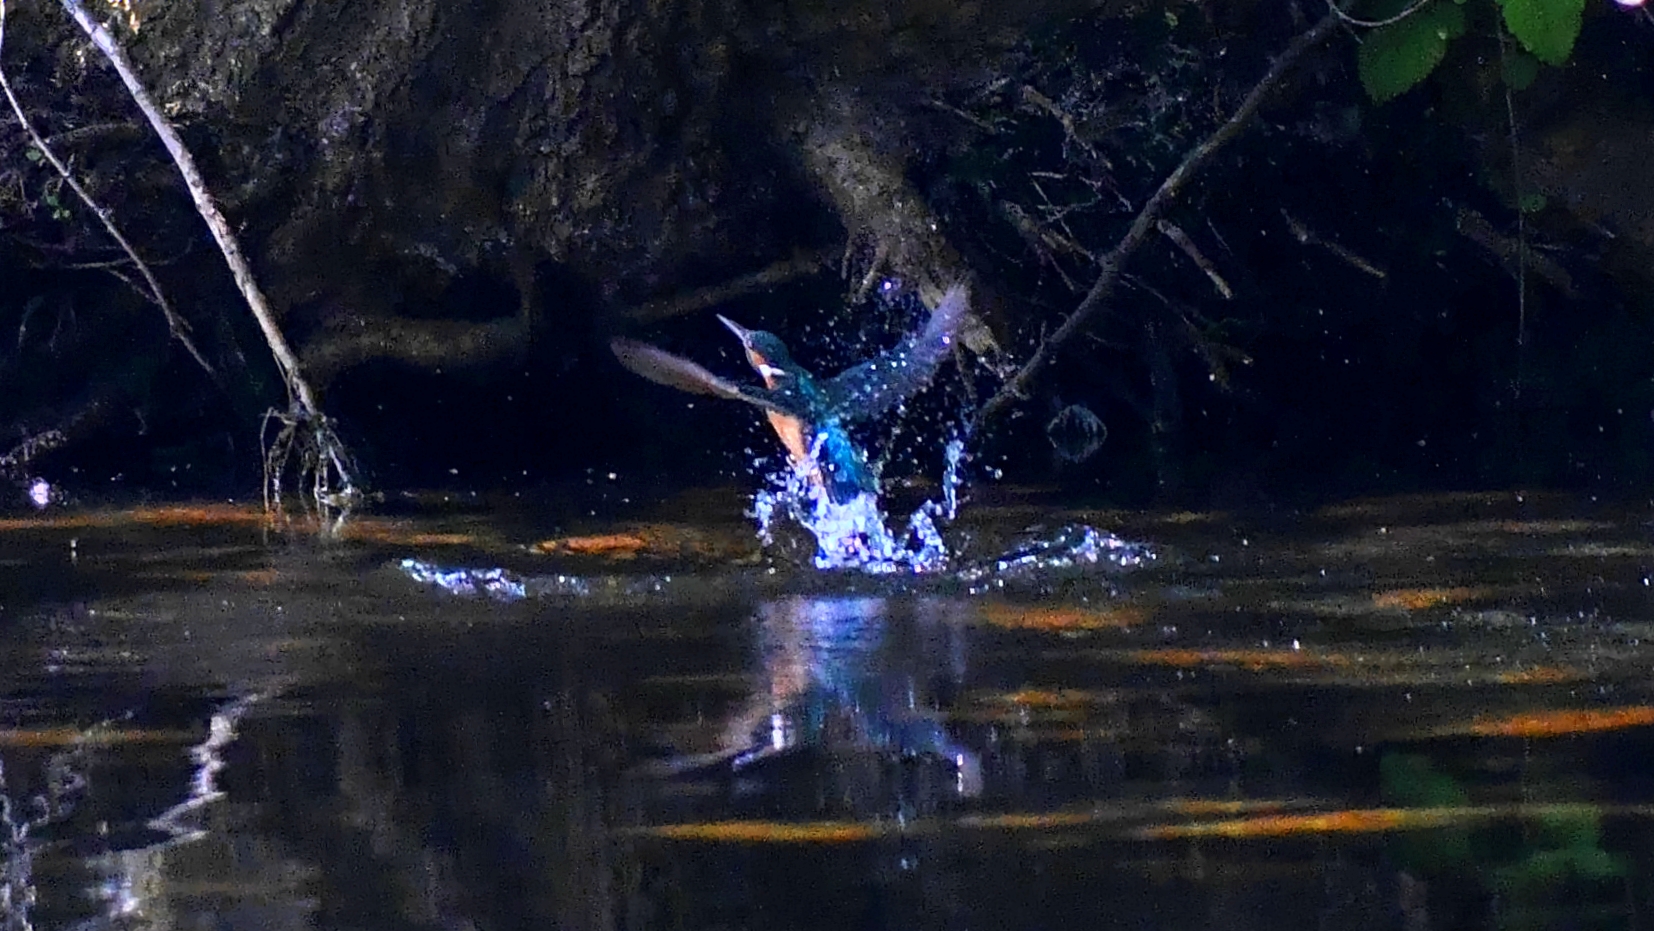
(14, 463)
(426, 344)
(801, 265)
(322, 461)
(1111, 265)
(870, 190)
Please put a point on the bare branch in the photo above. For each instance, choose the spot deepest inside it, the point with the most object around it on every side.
(1112, 264)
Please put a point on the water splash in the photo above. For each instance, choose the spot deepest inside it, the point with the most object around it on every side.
(494, 583)
(856, 534)
(953, 476)
(1076, 545)
(852, 535)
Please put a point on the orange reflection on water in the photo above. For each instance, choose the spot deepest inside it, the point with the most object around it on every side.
(1418, 599)
(204, 515)
(1035, 617)
(1210, 806)
(1049, 698)
(664, 540)
(613, 545)
(1352, 821)
(97, 736)
(1559, 723)
(1035, 821)
(258, 578)
(768, 832)
(188, 515)
(1539, 675)
(1253, 660)
(403, 533)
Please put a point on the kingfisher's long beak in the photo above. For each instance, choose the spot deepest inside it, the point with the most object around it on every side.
(741, 332)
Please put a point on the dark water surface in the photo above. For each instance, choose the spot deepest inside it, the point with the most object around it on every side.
(1414, 713)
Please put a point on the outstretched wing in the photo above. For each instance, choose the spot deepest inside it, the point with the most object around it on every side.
(663, 368)
(884, 381)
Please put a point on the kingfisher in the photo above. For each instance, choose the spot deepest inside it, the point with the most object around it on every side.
(812, 415)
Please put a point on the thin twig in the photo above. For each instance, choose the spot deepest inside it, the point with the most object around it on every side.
(1112, 263)
(96, 130)
(1181, 239)
(1412, 8)
(177, 325)
(1521, 227)
(1309, 237)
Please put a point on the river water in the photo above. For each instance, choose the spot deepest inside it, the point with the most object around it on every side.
(1417, 712)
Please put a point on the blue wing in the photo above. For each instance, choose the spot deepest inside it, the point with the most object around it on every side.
(877, 385)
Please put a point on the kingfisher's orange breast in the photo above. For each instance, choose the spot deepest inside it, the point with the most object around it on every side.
(789, 428)
(791, 431)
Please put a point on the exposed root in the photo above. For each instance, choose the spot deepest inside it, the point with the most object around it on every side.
(429, 344)
(871, 192)
(801, 265)
(885, 215)
(14, 465)
(307, 444)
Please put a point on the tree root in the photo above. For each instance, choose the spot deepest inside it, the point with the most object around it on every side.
(870, 190)
(801, 265)
(310, 445)
(428, 344)
(872, 194)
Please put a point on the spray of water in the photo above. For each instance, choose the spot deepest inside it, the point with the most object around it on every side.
(856, 534)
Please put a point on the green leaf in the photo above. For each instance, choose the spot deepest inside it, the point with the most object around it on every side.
(1395, 58)
(1520, 70)
(1547, 28)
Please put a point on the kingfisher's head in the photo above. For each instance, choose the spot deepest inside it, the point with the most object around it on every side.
(766, 353)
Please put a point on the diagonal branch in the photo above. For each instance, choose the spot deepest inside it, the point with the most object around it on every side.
(239, 268)
(1112, 263)
(304, 430)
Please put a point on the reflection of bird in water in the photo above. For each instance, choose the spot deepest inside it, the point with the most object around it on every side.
(844, 678)
(811, 414)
